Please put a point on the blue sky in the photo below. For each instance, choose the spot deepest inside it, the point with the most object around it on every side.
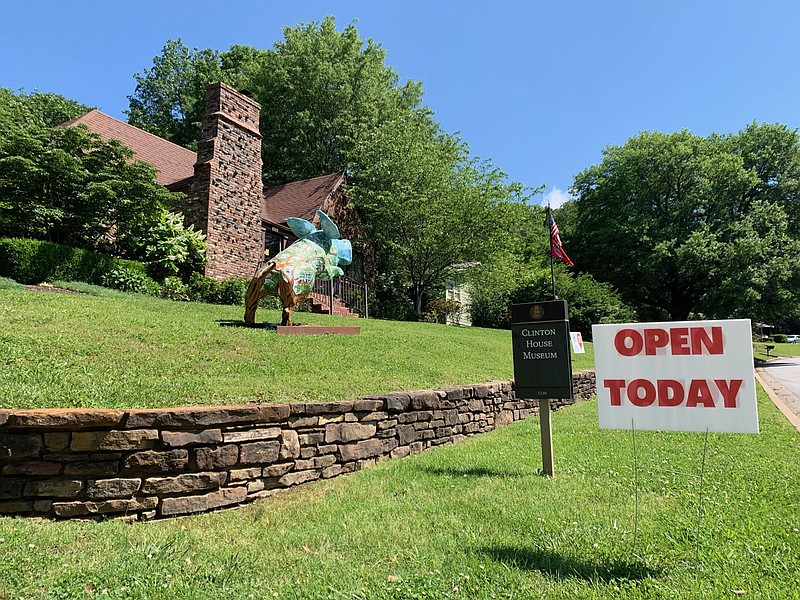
(538, 87)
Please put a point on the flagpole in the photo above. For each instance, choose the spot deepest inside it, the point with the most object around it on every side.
(552, 268)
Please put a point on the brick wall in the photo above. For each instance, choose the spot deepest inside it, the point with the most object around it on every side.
(225, 201)
(146, 464)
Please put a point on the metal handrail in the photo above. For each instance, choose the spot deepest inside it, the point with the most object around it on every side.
(352, 294)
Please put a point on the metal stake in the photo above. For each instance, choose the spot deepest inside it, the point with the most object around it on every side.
(636, 486)
(700, 505)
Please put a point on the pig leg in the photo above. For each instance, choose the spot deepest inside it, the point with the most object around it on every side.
(254, 294)
(288, 299)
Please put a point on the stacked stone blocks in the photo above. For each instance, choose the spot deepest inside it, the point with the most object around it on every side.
(146, 464)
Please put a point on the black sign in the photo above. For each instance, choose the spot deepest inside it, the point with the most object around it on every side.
(542, 359)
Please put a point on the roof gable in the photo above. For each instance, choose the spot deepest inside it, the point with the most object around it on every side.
(300, 199)
(175, 163)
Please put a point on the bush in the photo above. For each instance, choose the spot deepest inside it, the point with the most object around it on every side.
(439, 310)
(174, 289)
(204, 289)
(497, 286)
(130, 280)
(32, 261)
(590, 302)
(780, 338)
(388, 299)
(171, 249)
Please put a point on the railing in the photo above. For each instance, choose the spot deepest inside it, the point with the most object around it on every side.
(352, 294)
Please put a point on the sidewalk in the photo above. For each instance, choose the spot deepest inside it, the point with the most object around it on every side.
(784, 398)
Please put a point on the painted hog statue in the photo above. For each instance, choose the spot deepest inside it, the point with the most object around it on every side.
(291, 274)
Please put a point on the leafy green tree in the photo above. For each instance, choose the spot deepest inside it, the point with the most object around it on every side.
(19, 110)
(520, 272)
(772, 153)
(428, 205)
(323, 92)
(683, 225)
(67, 185)
(169, 100)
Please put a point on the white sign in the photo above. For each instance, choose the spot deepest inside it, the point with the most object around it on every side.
(678, 376)
(577, 342)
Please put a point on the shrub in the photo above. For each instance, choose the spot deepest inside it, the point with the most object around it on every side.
(270, 303)
(174, 289)
(232, 291)
(497, 286)
(171, 249)
(205, 289)
(438, 311)
(780, 338)
(590, 302)
(130, 280)
(32, 261)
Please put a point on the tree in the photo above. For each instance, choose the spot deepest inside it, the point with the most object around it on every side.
(428, 205)
(169, 100)
(37, 110)
(520, 272)
(67, 185)
(772, 153)
(322, 92)
(682, 224)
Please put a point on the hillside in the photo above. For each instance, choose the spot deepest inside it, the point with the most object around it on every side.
(77, 350)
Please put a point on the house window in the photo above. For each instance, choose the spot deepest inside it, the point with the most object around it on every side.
(273, 243)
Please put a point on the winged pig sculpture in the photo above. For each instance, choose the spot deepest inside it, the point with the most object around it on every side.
(290, 274)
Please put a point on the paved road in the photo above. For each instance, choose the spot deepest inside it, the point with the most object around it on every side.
(783, 376)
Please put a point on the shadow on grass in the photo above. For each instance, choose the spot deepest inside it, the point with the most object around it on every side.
(471, 472)
(240, 323)
(562, 567)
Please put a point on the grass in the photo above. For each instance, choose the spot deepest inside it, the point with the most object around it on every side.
(779, 350)
(467, 521)
(115, 350)
(96, 290)
(9, 284)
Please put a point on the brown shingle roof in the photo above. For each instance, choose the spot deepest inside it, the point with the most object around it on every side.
(300, 198)
(175, 163)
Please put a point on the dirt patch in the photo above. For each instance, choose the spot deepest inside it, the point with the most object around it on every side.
(49, 288)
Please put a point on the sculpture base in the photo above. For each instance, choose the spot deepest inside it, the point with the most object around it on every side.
(317, 330)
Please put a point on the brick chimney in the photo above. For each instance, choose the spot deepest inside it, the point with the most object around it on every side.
(227, 188)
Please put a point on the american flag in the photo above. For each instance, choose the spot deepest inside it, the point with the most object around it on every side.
(556, 249)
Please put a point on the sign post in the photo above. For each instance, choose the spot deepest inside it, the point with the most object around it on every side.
(542, 362)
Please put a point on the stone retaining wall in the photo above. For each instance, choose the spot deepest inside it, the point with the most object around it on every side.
(146, 464)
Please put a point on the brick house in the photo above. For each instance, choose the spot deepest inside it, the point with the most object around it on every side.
(225, 197)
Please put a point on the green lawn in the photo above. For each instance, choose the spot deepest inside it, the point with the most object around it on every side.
(466, 521)
(59, 350)
(760, 350)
